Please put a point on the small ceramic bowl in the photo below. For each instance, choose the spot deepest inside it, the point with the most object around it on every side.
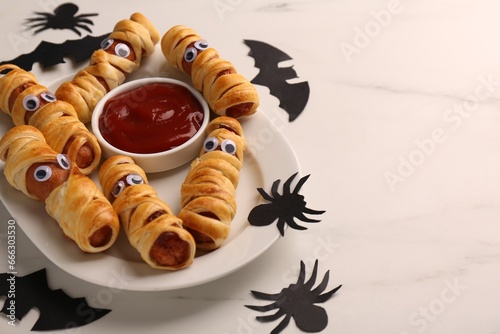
(161, 160)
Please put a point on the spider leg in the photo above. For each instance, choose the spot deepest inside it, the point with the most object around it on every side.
(322, 286)
(265, 296)
(85, 15)
(36, 19)
(32, 25)
(281, 225)
(302, 274)
(84, 27)
(294, 225)
(274, 188)
(41, 29)
(303, 218)
(313, 212)
(46, 15)
(286, 185)
(271, 317)
(76, 31)
(86, 21)
(263, 308)
(43, 18)
(312, 279)
(282, 325)
(265, 195)
(300, 184)
(324, 297)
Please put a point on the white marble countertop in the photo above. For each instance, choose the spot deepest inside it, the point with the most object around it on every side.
(401, 137)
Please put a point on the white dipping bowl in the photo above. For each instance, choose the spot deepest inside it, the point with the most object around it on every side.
(161, 161)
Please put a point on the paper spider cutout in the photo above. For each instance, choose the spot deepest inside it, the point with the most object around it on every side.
(284, 207)
(62, 18)
(57, 309)
(298, 301)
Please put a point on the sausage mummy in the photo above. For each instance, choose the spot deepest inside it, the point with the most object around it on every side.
(149, 223)
(120, 53)
(208, 192)
(28, 102)
(227, 92)
(71, 198)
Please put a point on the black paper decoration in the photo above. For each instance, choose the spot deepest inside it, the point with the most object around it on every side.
(57, 309)
(284, 207)
(49, 54)
(62, 18)
(298, 301)
(293, 97)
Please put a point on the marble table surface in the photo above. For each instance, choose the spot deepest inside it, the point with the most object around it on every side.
(400, 137)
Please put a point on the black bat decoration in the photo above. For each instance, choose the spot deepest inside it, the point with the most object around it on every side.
(57, 309)
(293, 97)
(49, 54)
(298, 301)
(283, 207)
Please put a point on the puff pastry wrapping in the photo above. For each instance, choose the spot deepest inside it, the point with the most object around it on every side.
(76, 204)
(208, 193)
(15, 78)
(149, 223)
(57, 120)
(107, 70)
(81, 209)
(20, 148)
(227, 92)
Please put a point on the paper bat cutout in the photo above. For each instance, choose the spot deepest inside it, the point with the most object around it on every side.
(284, 207)
(298, 301)
(49, 54)
(293, 97)
(57, 309)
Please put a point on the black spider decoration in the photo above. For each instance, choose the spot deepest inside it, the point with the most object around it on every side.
(284, 207)
(62, 18)
(297, 302)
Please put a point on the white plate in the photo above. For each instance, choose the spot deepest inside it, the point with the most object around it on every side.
(269, 157)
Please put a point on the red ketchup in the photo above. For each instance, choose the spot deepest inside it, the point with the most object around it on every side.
(152, 118)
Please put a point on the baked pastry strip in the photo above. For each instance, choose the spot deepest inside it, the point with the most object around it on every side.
(71, 198)
(120, 54)
(150, 225)
(208, 203)
(227, 92)
(30, 103)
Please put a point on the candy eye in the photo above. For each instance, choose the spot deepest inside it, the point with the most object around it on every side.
(122, 50)
(210, 144)
(201, 44)
(228, 146)
(63, 161)
(48, 96)
(134, 179)
(42, 173)
(118, 188)
(106, 43)
(190, 54)
(31, 102)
